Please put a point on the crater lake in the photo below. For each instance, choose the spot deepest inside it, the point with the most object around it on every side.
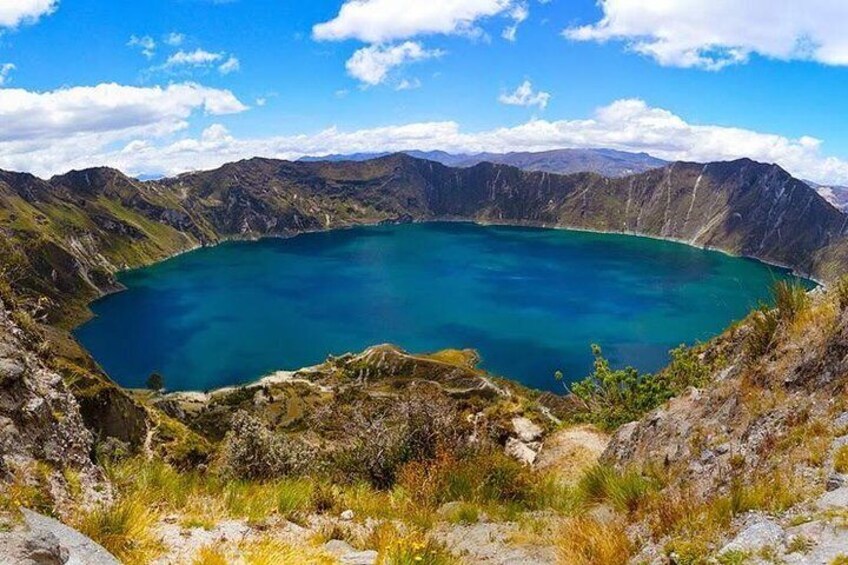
(530, 301)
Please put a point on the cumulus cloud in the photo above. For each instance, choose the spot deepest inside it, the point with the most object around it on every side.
(524, 95)
(16, 12)
(5, 70)
(137, 145)
(384, 23)
(712, 34)
(380, 21)
(144, 43)
(372, 65)
(43, 131)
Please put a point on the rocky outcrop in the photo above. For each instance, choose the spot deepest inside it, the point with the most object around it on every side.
(43, 438)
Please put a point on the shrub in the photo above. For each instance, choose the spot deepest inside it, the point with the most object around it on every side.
(413, 430)
(610, 398)
(252, 451)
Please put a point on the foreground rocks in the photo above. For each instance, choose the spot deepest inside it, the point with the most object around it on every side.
(43, 438)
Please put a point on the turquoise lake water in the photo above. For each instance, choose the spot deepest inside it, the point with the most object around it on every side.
(531, 301)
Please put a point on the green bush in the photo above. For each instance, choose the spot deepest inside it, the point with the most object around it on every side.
(611, 397)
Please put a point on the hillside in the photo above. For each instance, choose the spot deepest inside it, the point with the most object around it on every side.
(736, 450)
(67, 236)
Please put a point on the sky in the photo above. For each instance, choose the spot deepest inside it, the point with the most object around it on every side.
(159, 87)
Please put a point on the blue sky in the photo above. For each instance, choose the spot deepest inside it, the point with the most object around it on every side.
(258, 77)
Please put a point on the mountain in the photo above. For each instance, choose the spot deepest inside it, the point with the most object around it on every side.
(836, 195)
(737, 448)
(68, 235)
(607, 162)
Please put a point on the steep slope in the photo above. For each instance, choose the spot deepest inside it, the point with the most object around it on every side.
(66, 237)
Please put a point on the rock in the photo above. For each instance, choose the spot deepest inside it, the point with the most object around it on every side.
(520, 450)
(835, 499)
(835, 481)
(347, 515)
(526, 430)
(10, 370)
(841, 421)
(569, 452)
(756, 537)
(347, 555)
(31, 548)
(77, 547)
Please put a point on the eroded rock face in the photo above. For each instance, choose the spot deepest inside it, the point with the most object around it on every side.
(40, 421)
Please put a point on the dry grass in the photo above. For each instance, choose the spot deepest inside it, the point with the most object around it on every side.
(215, 554)
(586, 541)
(270, 551)
(840, 460)
(125, 528)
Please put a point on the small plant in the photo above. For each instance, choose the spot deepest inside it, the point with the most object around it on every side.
(412, 549)
(790, 301)
(624, 491)
(733, 557)
(211, 555)
(799, 544)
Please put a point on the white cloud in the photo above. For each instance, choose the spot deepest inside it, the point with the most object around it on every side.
(143, 43)
(196, 58)
(380, 21)
(50, 146)
(5, 70)
(407, 84)
(231, 65)
(44, 131)
(383, 23)
(712, 34)
(524, 95)
(16, 12)
(518, 14)
(174, 39)
(372, 65)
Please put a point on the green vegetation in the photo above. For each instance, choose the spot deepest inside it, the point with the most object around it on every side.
(791, 300)
(612, 397)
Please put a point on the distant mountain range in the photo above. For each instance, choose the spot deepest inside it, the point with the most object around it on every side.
(836, 195)
(606, 162)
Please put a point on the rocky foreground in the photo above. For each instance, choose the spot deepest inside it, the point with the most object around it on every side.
(382, 456)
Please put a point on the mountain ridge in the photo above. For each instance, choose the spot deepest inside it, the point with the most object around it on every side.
(608, 162)
(76, 230)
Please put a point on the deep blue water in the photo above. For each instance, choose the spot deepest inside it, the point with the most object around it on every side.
(531, 301)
